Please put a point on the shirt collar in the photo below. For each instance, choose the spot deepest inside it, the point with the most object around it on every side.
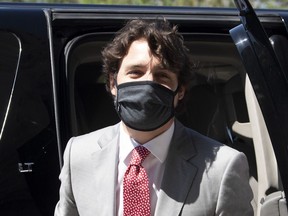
(158, 146)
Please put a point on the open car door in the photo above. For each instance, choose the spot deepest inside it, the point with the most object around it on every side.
(266, 61)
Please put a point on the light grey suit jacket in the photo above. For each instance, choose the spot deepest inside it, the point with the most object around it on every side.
(202, 177)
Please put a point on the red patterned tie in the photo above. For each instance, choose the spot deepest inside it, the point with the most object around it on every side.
(136, 185)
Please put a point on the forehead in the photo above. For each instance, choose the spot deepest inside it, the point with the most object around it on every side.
(140, 54)
(138, 48)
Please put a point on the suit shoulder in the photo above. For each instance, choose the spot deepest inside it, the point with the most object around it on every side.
(214, 156)
(89, 141)
(206, 145)
(95, 135)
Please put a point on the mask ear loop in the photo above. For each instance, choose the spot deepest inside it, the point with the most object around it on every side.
(116, 105)
(176, 91)
(115, 79)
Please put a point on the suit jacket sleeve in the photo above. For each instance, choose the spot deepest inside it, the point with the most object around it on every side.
(235, 193)
(66, 205)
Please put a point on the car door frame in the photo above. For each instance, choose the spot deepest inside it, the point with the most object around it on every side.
(268, 80)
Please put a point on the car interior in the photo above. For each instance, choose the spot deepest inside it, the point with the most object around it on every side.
(221, 105)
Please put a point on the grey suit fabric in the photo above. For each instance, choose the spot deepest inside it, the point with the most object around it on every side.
(202, 177)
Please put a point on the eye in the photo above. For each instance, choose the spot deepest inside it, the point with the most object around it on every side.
(163, 76)
(134, 73)
(166, 78)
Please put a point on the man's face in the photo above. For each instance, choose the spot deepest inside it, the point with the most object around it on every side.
(140, 65)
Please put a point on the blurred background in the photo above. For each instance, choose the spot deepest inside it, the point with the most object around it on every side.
(276, 4)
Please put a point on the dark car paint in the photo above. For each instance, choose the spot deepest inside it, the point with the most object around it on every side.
(41, 87)
(28, 149)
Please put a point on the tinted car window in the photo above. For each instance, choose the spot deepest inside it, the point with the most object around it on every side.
(91, 105)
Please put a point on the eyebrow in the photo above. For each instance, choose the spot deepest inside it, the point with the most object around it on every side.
(142, 65)
(135, 66)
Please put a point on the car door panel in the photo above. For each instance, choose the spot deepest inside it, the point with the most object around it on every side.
(29, 165)
(268, 77)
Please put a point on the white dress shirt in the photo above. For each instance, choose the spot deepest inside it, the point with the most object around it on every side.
(154, 164)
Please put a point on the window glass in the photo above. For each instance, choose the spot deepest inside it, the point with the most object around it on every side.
(91, 105)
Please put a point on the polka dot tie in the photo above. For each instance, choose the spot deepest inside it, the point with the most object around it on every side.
(136, 185)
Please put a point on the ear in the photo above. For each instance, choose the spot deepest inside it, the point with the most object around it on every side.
(113, 88)
(181, 92)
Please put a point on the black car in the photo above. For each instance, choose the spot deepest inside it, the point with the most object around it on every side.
(52, 88)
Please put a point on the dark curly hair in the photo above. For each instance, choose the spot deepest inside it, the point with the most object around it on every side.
(165, 43)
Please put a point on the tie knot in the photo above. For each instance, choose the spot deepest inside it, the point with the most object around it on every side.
(138, 155)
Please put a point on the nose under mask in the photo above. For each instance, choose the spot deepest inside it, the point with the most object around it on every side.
(144, 105)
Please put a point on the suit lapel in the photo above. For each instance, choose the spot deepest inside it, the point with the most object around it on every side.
(105, 172)
(179, 174)
(177, 179)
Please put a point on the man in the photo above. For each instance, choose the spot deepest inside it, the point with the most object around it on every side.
(181, 172)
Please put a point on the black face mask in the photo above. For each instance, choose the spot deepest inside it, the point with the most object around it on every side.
(144, 105)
